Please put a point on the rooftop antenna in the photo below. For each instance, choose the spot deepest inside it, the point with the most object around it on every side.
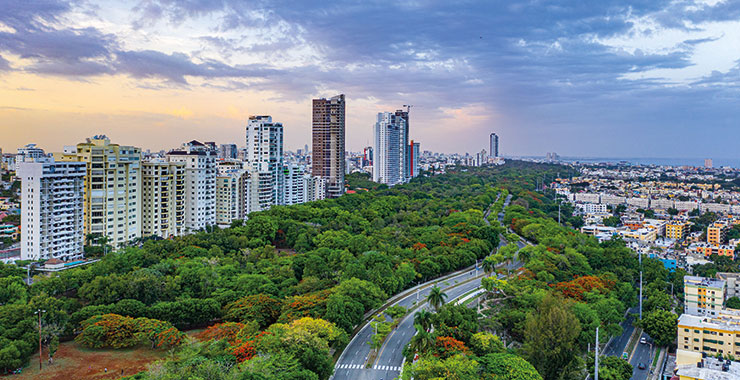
(408, 107)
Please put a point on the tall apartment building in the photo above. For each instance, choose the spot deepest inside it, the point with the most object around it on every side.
(200, 184)
(703, 296)
(493, 145)
(30, 152)
(163, 198)
(232, 197)
(717, 233)
(51, 209)
(315, 188)
(265, 153)
(414, 149)
(328, 155)
(112, 206)
(388, 160)
(719, 334)
(402, 119)
(227, 151)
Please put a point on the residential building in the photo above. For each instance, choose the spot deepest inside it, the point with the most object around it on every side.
(388, 160)
(717, 233)
(233, 200)
(695, 366)
(315, 189)
(227, 151)
(719, 334)
(707, 249)
(52, 209)
(295, 184)
(265, 153)
(163, 198)
(9, 231)
(328, 132)
(703, 296)
(493, 145)
(403, 140)
(708, 163)
(200, 184)
(112, 199)
(593, 208)
(732, 283)
(31, 152)
(414, 149)
(676, 230)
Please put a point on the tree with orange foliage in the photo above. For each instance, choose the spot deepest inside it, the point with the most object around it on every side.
(447, 346)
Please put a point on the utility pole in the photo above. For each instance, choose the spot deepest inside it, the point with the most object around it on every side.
(640, 295)
(39, 312)
(596, 356)
(558, 211)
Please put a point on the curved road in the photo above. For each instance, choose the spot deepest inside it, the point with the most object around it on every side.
(351, 364)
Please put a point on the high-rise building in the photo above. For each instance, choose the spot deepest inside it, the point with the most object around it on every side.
(328, 143)
(233, 196)
(162, 198)
(493, 146)
(295, 184)
(388, 154)
(413, 159)
(200, 184)
(265, 153)
(227, 151)
(708, 163)
(112, 188)
(367, 156)
(402, 119)
(51, 209)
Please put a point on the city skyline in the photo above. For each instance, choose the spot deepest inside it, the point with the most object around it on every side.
(578, 80)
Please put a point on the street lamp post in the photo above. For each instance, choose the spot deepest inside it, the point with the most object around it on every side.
(39, 312)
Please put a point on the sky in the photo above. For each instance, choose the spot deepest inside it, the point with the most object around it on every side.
(607, 78)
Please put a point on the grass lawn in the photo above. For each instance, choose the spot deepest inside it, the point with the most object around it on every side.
(73, 361)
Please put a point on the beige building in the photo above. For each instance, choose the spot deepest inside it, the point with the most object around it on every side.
(233, 201)
(703, 296)
(163, 198)
(200, 183)
(112, 189)
(676, 230)
(717, 233)
(692, 366)
(732, 283)
(710, 335)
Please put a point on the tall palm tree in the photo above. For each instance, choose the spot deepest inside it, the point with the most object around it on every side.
(423, 318)
(436, 298)
(422, 341)
(488, 265)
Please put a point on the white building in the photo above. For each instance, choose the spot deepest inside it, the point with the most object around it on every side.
(593, 208)
(296, 182)
(388, 160)
(51, 210)
(200, 184)
(265, 152)
(163, 198)
(30, 151)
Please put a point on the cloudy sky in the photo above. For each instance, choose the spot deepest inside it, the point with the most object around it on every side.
(640, 78)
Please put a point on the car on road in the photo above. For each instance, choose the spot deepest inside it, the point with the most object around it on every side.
(624, 355)
(643, 340)
(641, 365)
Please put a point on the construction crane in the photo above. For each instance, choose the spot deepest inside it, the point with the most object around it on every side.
(408, 107)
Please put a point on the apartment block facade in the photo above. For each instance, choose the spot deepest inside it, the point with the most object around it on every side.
(328, 136)
(703, 296)
(163, 198)
(112, 190)
(200, 184)
(265, 153)
(711, 335)
(52, 209)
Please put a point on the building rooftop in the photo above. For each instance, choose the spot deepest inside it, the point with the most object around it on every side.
(727, 320)
(704, 281)
(711, 369)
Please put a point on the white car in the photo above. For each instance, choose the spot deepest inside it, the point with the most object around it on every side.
(643, 340)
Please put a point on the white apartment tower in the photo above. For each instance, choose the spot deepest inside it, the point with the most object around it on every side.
(51, 209)
(389, 158)
(200, 184)
(112, 199)
(295, 184)
(163, 198)
(265, 152)
(233, 196)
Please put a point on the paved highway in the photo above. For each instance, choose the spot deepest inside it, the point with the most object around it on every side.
(619, 344)
(643, 354)
(351, 364)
